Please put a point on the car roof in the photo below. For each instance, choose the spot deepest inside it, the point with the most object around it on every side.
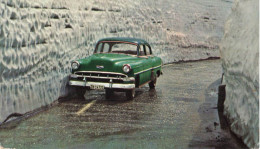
(126, 39)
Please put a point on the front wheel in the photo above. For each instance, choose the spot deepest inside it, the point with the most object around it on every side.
(109, 93)
(152, 84)
(80, 92)
(130, 94)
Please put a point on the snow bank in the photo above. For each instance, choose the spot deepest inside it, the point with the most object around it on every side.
(38, 39)
(240, 55)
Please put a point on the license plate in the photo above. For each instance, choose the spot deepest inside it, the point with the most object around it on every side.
(96, 87)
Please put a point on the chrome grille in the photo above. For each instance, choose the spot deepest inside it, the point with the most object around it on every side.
(100, 76)
(104, 75)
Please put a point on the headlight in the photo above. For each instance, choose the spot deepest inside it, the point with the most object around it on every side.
(75, 65)
(126, 68)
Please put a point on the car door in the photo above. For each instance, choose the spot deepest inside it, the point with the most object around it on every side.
(151, 59)
(145, 76)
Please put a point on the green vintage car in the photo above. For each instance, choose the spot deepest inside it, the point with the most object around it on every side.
(118, 64)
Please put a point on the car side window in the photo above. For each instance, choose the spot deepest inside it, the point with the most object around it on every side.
(141, 50)
(99, 47)
(148, 50)
(106, 48)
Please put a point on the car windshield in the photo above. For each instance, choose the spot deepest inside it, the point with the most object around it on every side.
(116, 47)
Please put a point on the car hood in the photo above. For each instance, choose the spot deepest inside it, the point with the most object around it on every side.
(109, 62)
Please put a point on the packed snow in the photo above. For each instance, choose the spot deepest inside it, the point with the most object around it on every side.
(39, 39)
(240, 55)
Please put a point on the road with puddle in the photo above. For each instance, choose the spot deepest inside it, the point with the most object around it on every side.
(179, 113)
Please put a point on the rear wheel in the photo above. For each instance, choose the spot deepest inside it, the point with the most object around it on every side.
(130, 94)
(152, 84)
(109, 93)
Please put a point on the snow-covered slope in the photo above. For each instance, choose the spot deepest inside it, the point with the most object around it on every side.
(38, 39)
(240, 55)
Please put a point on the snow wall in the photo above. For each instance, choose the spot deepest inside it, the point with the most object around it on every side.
(240, 55)
(39, 39)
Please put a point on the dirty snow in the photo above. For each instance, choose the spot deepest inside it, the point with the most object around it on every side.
(240, 55)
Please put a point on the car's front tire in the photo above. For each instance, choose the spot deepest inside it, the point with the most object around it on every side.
(152, 84)
(80, 92)
(130, 94)
(109, 93)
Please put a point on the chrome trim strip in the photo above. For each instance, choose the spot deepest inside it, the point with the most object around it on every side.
(106, 85)
(157, 66)
(95, 77)
(147, 69)
(103, 72)
(143, 71)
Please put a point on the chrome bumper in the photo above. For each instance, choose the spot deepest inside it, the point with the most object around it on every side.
(106, 85)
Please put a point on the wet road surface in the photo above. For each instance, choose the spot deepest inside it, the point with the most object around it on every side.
(180, 113)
